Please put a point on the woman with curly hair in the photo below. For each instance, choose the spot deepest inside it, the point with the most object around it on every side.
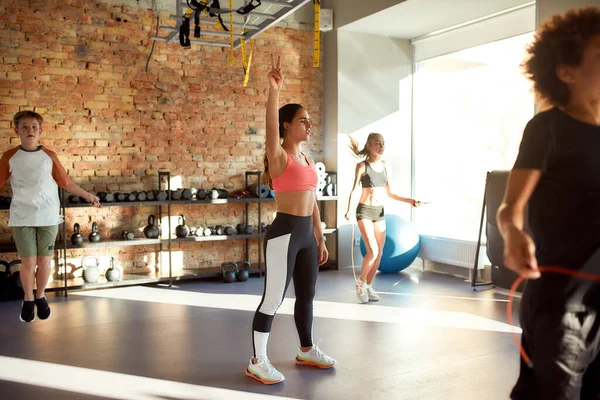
(557, 173)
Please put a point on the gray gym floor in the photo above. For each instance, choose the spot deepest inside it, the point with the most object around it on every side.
(429, 337)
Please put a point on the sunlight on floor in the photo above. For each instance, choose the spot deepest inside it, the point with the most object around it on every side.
(111, 384)
(322, 309)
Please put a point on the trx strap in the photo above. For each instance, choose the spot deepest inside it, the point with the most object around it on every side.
(197, 5)
(246, 62)
(248, 7)
(317, 39)
(197, 23)
(215, 11)
(184, 30)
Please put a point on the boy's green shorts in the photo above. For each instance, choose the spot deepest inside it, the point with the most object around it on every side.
(34, 241)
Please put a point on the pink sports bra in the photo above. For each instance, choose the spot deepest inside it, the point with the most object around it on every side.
(296, 177)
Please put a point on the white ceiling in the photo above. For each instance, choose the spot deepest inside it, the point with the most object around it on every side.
(414, 18)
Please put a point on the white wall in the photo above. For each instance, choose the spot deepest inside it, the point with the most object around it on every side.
(334, 66)
(374, 95)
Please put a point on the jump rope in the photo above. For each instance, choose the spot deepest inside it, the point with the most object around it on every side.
(513, 289)
(352, 247)
(546, 269)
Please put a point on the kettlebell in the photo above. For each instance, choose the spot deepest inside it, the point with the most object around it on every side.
(76, 237)
(244, 271)
(182, 230)
(229, 270)
(3, 278)
(151, 231)
(112, 274)
(94, 236)
(13, 271)
(91, 272)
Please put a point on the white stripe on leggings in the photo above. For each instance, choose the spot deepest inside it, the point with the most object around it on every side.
(276, 261)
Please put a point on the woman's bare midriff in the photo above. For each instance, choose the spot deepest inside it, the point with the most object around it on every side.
(299, 203)
(373, 196)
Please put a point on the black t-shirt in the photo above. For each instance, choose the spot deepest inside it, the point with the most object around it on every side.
(564, 209)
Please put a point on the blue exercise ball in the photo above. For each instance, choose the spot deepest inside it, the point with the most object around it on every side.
(401, 247)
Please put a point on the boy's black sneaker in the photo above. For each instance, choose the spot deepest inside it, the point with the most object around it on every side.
(43, 309)
(27, 311)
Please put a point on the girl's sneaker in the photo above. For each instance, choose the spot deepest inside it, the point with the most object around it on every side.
(315, 358)
(27, 311)
(264, 372)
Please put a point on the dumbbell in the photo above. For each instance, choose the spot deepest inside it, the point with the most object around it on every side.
(201, 194)
(240, 228)
(120, 196)
(106, 197)
(176, 194)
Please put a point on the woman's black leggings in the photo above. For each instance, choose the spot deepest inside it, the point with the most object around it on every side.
(290, 250)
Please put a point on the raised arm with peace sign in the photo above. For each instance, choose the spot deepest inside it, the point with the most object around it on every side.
(275, 75)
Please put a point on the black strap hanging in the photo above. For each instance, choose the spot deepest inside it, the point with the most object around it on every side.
(248, 7)
(184, 31)
(197, 23)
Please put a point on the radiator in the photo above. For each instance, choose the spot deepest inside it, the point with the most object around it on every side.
(460, 253)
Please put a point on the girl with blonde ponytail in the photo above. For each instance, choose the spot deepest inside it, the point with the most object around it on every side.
(371, 174)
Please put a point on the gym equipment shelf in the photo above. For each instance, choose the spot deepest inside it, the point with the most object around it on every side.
(166, 276)
(186, 202)
(142, 279)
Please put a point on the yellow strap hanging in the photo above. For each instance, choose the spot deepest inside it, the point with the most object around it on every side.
(244, 60)
(248, 62)
(317, 30)
(232, 58)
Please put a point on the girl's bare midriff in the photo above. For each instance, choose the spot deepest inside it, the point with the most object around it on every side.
(373, 196)
(300, 203)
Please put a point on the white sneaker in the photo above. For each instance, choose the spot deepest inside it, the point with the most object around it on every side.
(372, 295)
(264, 372)
(315, 358)
(361, 292)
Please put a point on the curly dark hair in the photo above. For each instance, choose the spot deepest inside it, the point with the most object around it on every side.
(561, 40)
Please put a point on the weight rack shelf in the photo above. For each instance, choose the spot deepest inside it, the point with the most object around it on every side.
(62, 246)
(142, 279)
(234, 200)
(144, 241)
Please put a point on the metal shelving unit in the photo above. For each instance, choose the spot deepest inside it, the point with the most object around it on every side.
(62, 244)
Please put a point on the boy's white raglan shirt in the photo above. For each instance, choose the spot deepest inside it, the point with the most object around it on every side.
(35, 177)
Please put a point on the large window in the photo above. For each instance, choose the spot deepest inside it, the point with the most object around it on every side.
(470, 108)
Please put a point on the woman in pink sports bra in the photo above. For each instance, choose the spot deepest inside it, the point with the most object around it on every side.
(294, 243)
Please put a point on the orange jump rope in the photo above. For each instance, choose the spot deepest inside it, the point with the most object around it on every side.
(517, 282)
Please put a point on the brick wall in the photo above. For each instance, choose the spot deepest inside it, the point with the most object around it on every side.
(114, 125)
